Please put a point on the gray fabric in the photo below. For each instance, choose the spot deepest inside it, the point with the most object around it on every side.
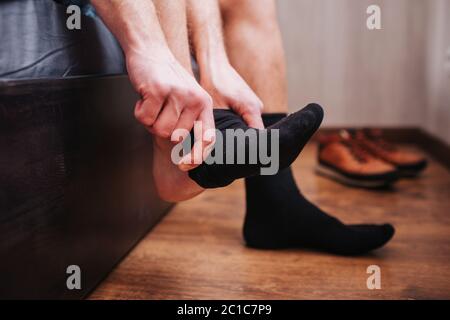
(35, 43)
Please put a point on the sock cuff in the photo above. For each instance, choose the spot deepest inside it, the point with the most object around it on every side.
(272, 118)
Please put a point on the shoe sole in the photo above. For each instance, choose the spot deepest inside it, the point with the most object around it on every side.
(412, 171)
(332, 174)
(409, 173)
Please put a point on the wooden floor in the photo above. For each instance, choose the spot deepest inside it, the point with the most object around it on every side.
(197, 251)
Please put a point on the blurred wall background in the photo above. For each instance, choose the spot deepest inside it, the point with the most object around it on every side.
(398, 76)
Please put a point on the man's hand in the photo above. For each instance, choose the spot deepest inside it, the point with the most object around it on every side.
(171, 99)
(170, 96)
(217, 76)
(228, 89)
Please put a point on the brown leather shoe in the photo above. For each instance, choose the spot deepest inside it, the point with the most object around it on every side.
(343, 159)
(409, 163)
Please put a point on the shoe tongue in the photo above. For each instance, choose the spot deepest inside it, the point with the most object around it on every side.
(359, 134)
(350, 138)
(345, 135)
(377, 137)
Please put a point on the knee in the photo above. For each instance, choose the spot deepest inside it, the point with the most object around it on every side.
(261, 14)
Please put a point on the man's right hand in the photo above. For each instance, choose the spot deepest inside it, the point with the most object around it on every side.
(171, 98)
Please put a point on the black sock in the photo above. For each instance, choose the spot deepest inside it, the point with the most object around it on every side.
(278, 216)
(294, 132)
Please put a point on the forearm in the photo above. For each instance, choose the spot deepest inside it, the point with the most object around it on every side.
(134, 23)
(205, 32)
(217, 76)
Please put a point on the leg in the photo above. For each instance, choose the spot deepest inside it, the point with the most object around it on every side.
(172, 17)
(173, 184)
(255, 55)
(278, 216)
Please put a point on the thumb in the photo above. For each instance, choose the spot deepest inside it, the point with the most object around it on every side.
(250, 112)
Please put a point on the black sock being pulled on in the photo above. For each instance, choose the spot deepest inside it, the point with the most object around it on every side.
(294, 132)
(279, 216)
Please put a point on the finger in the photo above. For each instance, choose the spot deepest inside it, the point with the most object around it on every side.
(250, 111)
(208, 127)
(194, 158)
(167, 119)
(186, 121)
(188, 162)
(205, 135)
(147, 110)
(253, 120)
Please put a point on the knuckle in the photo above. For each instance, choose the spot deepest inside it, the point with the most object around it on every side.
(180, 91)
(142, 118)
(162, 89)
(194, 94)
(142, 115)
(138, 116)
(204, 100)
(201, 102)
(193, 107)
(142, 89)
(188, 91)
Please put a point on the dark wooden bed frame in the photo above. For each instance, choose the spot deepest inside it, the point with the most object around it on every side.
(75, 183)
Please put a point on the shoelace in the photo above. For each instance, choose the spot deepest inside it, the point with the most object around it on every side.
(360, 154)
(375, 136)
(383, 144)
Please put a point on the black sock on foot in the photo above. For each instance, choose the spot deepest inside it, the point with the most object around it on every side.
(294, 132)
(279, 216)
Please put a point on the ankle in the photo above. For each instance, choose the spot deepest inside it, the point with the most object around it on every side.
(264, 235)
(175, 188)
(172, 184)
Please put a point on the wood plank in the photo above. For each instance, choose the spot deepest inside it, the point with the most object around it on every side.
(197, 251)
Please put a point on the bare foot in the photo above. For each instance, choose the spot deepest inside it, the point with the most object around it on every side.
(172, 184)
